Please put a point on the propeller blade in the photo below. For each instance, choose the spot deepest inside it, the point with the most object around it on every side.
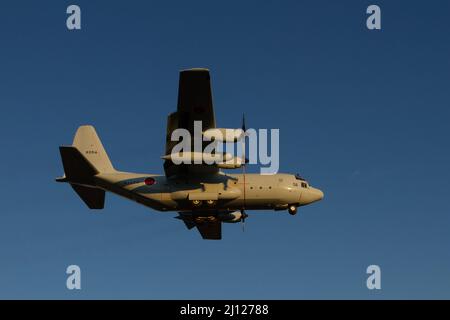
(244, 216)
(244, 158)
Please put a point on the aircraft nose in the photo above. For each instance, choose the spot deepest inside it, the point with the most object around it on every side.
(318, 194)
(312, 195)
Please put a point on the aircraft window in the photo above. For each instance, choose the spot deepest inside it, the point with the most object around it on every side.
(260, 187)
(251, 187)
(270, 187)
(295, 184)
(299, 177)
(304, 185)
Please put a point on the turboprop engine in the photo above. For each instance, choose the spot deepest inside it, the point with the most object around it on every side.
(232, 217)
(221, 160)
(233, 163)
(223, 135)
(198, 157)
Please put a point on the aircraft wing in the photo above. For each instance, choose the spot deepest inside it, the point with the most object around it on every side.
(210, 230)
(194, 104)
(209, 227)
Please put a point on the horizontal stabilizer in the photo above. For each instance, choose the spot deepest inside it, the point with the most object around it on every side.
(76, 167)
(93, 197)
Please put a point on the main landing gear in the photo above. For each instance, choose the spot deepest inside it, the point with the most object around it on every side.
(292, 209)
(199, 203)
(196, 203)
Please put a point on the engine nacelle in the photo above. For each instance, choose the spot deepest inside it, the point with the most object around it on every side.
(198, 157)
(223, 135)
(231, 217)
(233, 163)
(223, 160)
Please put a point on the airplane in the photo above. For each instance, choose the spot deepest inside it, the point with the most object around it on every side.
(203, 195)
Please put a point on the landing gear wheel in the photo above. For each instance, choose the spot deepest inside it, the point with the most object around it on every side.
(292, 209)
(210, 202)
(196, 203)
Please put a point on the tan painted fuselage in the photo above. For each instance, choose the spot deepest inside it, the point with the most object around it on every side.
(220, 192)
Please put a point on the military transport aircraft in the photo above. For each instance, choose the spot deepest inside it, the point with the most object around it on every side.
(202, 194)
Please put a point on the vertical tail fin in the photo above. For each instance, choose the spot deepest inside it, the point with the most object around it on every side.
(88, 143)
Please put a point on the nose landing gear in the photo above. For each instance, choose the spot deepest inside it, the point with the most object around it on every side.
(292, 209)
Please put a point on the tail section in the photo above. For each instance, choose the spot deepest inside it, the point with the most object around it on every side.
(77, 168)
(88, 143)
(82, 161)
(94, 198)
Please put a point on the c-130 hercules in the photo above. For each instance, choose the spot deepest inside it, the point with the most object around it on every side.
(203, 196)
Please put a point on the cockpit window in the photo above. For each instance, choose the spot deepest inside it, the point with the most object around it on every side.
(304, 183)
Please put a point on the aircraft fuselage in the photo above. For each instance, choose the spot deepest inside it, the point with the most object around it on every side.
(221, 192)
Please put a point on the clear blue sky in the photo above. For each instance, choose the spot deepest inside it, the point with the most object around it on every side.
(364, 115)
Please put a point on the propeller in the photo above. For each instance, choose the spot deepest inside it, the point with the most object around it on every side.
(245, 161)
(243, 217)
(243, 127)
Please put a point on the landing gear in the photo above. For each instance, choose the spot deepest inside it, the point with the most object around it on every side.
(196, 203)
(292, 209)
(199, 203)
